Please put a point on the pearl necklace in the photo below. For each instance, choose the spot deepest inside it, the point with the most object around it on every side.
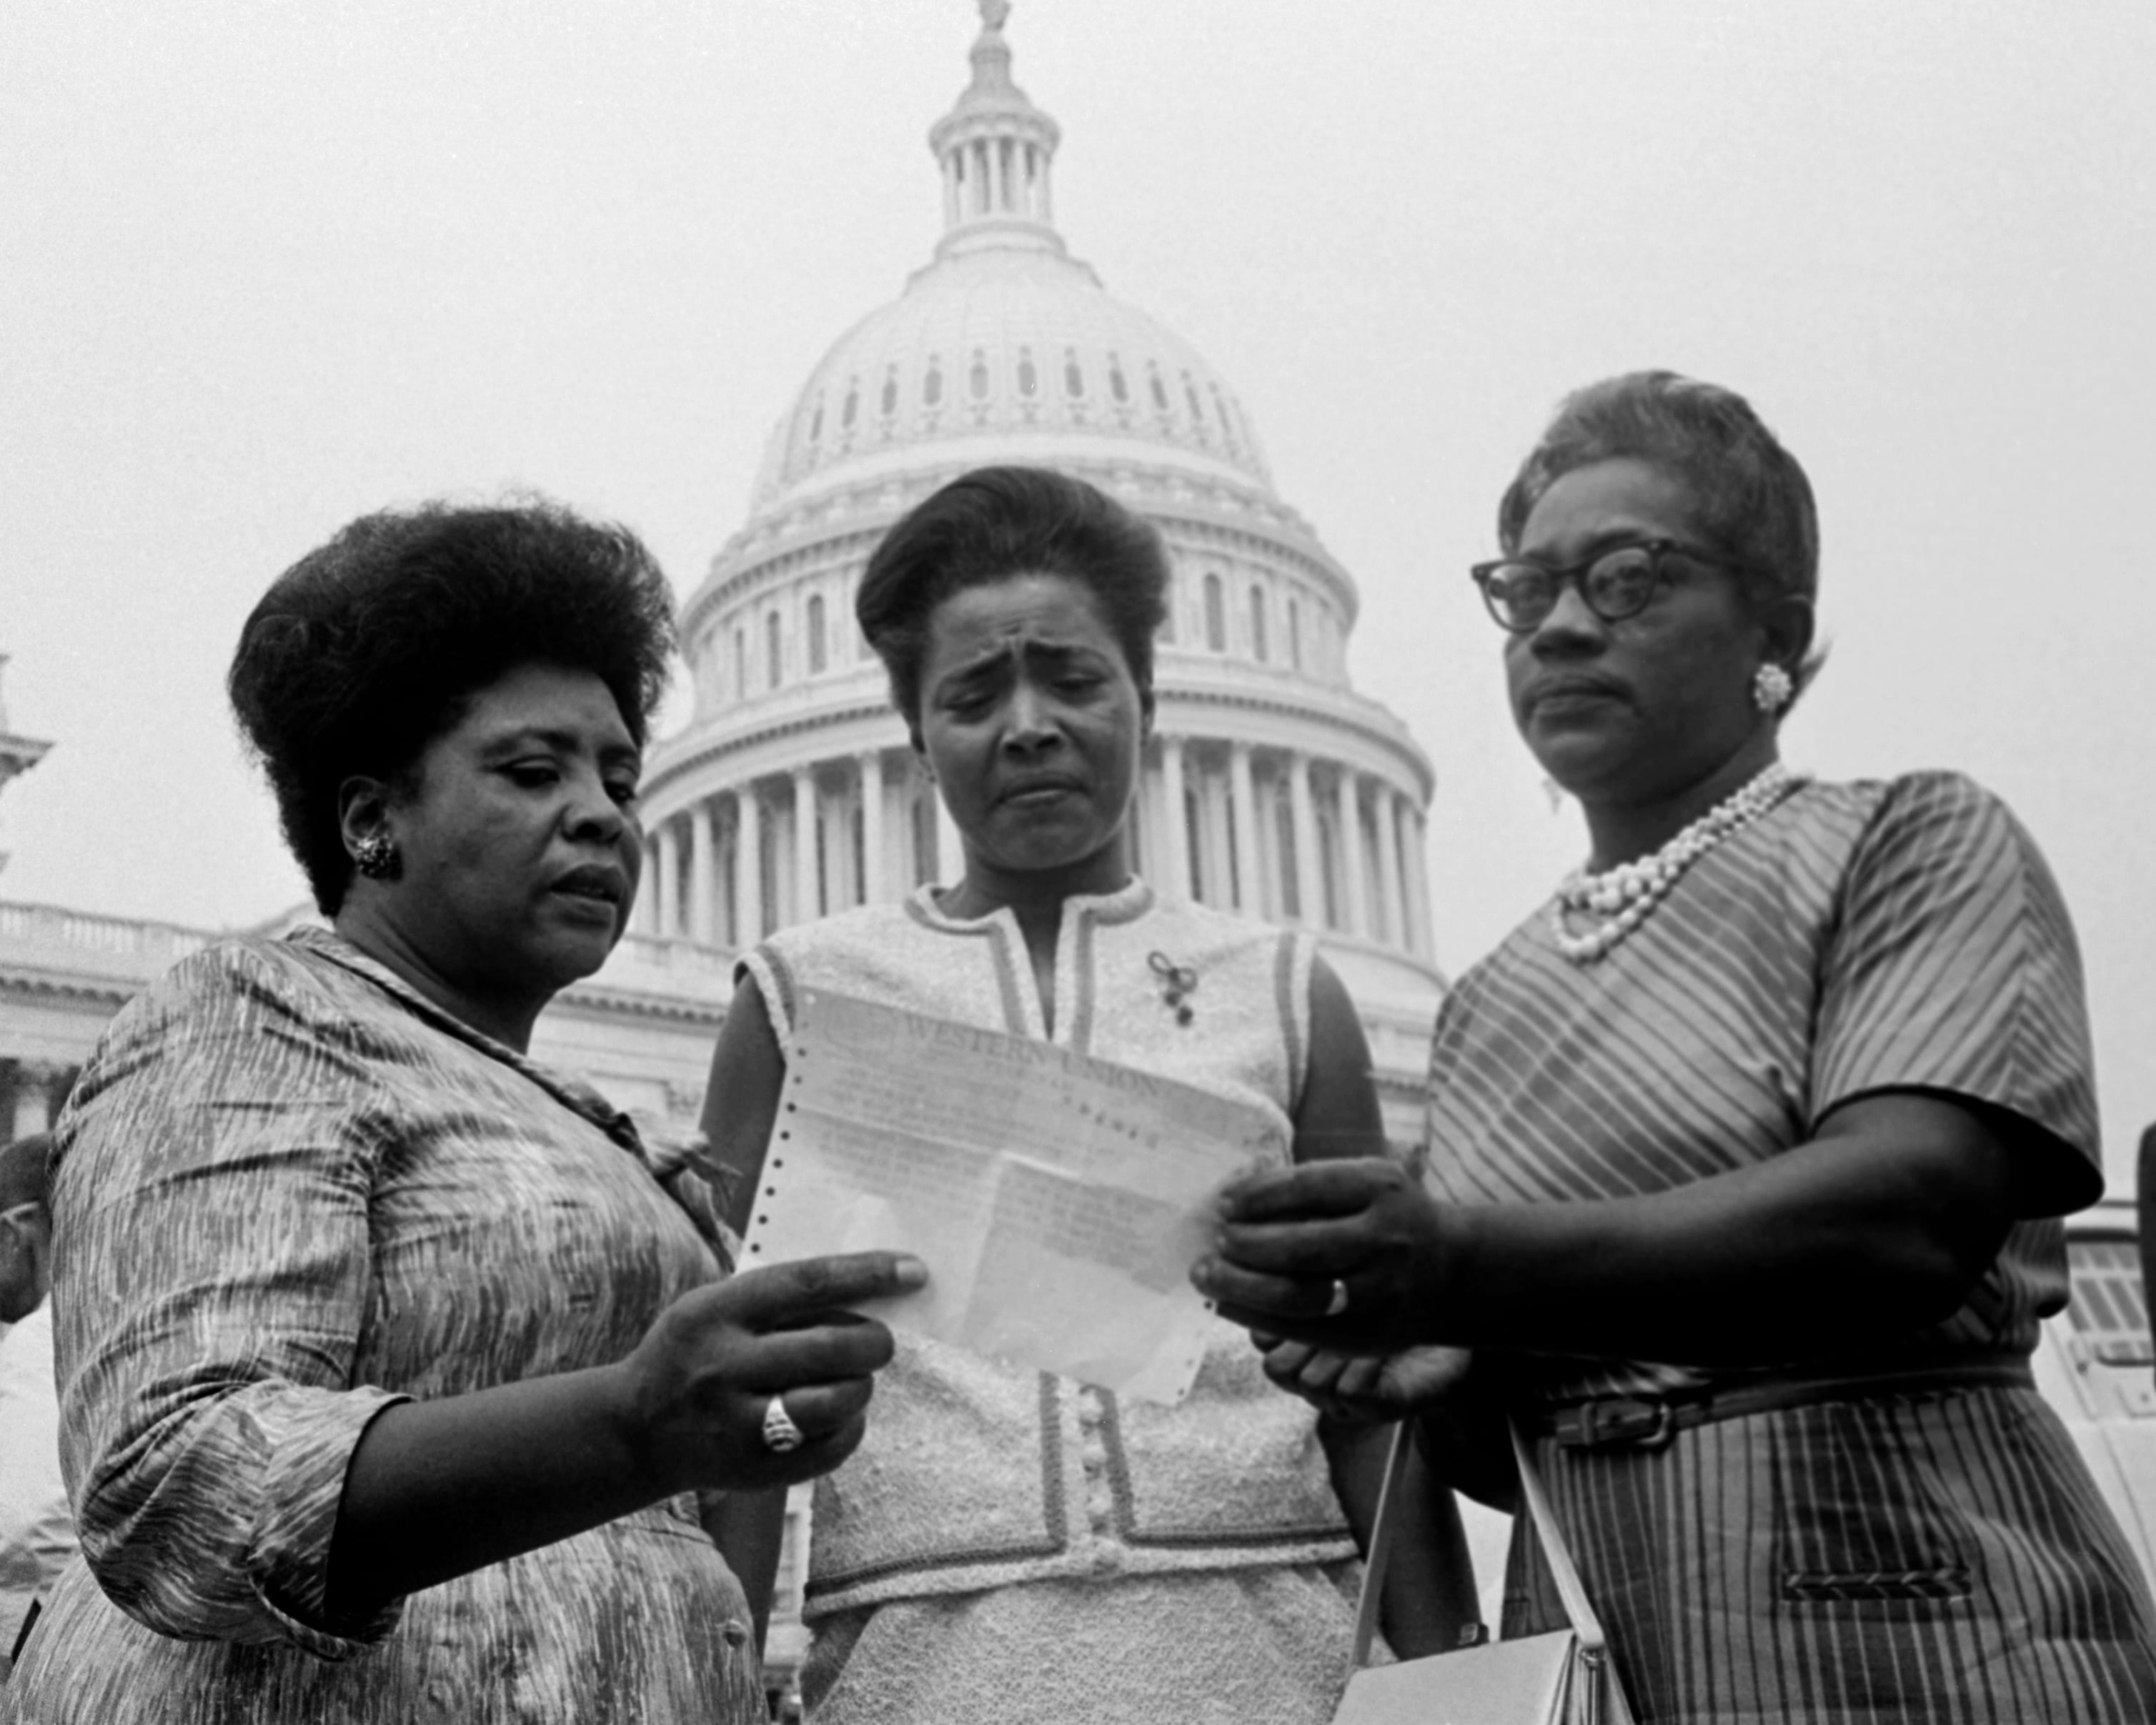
(1624, 895)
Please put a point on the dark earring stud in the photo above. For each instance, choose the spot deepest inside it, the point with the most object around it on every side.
(375, 856)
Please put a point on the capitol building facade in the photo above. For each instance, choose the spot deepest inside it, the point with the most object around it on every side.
(1269, 787)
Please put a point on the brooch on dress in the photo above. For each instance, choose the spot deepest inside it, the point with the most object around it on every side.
(1178, 983)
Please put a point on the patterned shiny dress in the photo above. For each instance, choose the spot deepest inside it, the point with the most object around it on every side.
(290, 1192)
(1013, 1546)
(1934, 1553)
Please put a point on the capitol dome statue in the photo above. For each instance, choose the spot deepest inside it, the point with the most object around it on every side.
(1271, 786)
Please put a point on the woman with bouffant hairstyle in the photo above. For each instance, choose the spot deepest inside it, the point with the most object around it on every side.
(371, 645)
(392, 1361)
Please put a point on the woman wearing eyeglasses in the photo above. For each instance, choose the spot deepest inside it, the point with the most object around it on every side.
(1744, 1152)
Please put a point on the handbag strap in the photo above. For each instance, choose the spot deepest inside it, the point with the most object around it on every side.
(1381, 1541)
(1555, 1551)
(1585, 1623)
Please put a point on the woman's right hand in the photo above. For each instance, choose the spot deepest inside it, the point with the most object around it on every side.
(1347, 1256)
(699, 1384)
(1362, 1387)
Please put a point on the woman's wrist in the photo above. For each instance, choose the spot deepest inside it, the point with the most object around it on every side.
(1448, 1270)
(620, 1410)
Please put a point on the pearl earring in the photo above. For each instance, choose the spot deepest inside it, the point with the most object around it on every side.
(1772, 689)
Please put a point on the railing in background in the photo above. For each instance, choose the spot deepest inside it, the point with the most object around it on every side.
(47, 935)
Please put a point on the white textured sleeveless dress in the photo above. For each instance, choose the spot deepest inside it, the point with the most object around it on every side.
(1011, 1546)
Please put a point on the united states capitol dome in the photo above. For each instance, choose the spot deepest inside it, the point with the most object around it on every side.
(1004, 334)
(997, 341)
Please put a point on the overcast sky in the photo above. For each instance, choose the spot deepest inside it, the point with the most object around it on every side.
(269, 266)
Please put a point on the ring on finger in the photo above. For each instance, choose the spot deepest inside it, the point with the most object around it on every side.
(1338, 1301)
(780, 1433)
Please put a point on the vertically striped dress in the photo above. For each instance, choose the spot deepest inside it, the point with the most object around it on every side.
(1939, 1555)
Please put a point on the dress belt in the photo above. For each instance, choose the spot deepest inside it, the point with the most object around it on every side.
(1649, 1421)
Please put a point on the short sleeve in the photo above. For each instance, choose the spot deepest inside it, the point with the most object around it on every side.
(767, 967)
(211, 1181)
(1951, 966)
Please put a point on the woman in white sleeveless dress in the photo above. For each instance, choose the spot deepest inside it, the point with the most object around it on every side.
(1007, 1544)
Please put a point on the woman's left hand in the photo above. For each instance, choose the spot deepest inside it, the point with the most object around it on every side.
(1346, 1255)
(1361, 1389)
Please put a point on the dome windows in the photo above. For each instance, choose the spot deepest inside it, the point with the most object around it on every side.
(1012, 356)
(1216, 613)
(1008, 364)
(1258, 642)
(816, 636)
(1225, 419)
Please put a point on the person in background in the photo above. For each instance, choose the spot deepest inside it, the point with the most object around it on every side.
(1746, 1150)
(392, 1360)
(1007, 1544)
(36, 1529)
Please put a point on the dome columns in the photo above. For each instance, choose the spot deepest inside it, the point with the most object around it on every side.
(703, 877)
(1415, 840)
(747, 869)
(666, 895)
(1173, 865)
(990, 174)
(1355, 900)
(994, 147)
(1283, 833)
(1243, 829)
(873, 859)
(787, 845)
(1302, 821)
(810, 849)
(1286, 834)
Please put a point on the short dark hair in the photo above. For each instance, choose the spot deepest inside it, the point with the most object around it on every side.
(1751, 499)
(24, 1171)
(368, 649)
(996, 523)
